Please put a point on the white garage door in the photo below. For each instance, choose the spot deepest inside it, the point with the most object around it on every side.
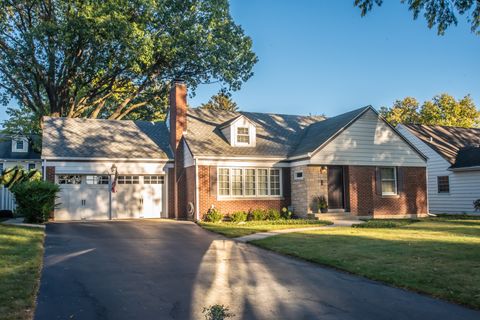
(86, 197)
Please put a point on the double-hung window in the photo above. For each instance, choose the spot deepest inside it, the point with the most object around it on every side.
(443, 184)
(243, 135)
(388, 178)
(249, 182)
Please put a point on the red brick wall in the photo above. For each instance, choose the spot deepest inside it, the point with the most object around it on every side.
(50, 174)
(171, 193)
(364, 200)
(207, 176)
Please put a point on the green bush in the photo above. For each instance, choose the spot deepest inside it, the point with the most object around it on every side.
(273, 214)
(239, 216)
(35, 200)
(394, 223)
(286, 214)
(258, 215)
(217, 312)
(213, 215)
(476, 205)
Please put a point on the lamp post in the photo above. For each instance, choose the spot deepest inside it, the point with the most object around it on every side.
(113, 171)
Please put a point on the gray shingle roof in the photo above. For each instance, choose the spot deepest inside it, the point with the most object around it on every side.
(459, 146)
(95, 138)
(277, 134)
(7, 154)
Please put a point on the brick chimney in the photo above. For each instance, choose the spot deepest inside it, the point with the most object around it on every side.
(178, 112)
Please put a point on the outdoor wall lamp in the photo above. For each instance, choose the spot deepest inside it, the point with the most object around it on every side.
(323, 169)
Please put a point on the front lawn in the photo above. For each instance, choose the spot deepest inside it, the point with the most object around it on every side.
(438, 256)
(21, 251)
(233, 230)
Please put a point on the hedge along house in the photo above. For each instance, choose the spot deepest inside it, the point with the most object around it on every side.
(233, 161)
(243, 160)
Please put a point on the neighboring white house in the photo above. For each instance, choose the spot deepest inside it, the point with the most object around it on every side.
(16, 151)
(453, 165)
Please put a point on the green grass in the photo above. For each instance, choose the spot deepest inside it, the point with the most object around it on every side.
(438, 256)
(21, 251)
(385, 223)
(233, 230)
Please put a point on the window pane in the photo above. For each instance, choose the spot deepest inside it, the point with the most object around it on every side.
(97, 179)
(387, 173)
(443, 183)
(31, 166)
(223, 182)
(275, 182)
(388, 187)
(20, 144)
(237, 182)
(243, 135)
(262, 186)
(69, 179)
(153, 179)
(250, 182)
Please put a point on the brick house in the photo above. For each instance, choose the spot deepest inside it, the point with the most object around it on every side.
(198, 159)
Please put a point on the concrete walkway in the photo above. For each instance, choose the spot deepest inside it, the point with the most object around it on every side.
(263, 235)
(19, 223)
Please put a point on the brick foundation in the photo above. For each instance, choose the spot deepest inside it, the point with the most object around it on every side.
(50, 174)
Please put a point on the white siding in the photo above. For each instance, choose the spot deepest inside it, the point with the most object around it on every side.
(187, 156)
(464, 186)
(230, 132)
(368, 141)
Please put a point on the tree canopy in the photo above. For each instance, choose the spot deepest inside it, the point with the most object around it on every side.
(442, 110)
(221, 101)
(438, 13)
(114, 59)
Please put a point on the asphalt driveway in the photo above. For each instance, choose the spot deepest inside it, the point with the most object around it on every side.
(172, 270)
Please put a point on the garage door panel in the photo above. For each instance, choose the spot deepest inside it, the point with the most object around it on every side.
(95, 203)
(127, 203)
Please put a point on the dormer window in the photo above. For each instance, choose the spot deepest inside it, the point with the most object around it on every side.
(243, 135)
(20, 145)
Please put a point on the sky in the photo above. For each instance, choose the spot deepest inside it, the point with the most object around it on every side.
(322, 57)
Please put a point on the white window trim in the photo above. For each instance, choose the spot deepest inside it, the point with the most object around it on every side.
(241, 143)
(25, 145)
(449, 187)
(243, 196)
(395, 180)
(295, 175)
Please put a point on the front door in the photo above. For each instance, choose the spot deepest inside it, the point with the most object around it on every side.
(335, 187)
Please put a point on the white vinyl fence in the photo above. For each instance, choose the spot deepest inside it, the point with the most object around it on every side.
(7, 200)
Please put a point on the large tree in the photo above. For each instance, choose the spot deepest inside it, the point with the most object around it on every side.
(111, 58)
(442, 110)
(438, 13)
(221, 101)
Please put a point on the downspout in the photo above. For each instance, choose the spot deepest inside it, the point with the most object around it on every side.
(44, 170)
(197, 196)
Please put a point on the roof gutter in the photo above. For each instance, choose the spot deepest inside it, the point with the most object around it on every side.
(108, 159)
(472, 168)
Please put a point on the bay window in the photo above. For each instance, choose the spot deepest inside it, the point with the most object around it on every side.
(249, 182)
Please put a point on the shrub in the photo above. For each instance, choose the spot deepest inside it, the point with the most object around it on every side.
(273, 214)
(476, 205)
(213, 215)
(6, 214)
(385, 223)
(258, 214)
(239, 216)
(35, 200)
(217, 312)
(286, 214)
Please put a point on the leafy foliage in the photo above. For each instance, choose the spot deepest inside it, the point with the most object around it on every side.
(438, 13)
(273, 214)
(221, 101)
(15, 175)
(217, 312)
(476, 205)
(35, 199)
(286, 214)
(258, 215)
(213, 215)
(110, 59)
(239, 216)
(442, 110)
(22, 122)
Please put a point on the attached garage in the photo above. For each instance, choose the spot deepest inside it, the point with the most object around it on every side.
(89, 197)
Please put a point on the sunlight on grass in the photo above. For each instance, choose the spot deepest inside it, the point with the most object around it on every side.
(440, 257)
(233, 230)
(21, 251)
